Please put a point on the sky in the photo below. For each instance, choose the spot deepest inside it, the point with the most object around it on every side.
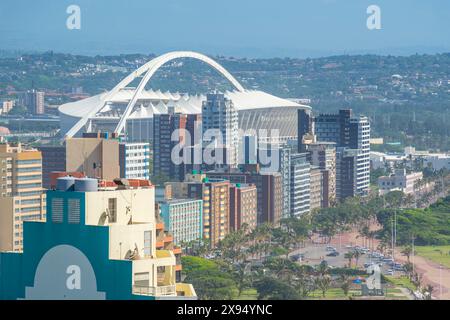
(242, 28)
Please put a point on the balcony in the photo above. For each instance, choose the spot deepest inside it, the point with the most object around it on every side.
(155, 291)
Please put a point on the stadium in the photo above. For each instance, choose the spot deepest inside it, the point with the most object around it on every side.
(129, 111)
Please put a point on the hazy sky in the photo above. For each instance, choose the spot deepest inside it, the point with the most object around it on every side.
(252, 28)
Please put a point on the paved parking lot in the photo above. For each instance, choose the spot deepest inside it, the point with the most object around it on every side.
(315, 253)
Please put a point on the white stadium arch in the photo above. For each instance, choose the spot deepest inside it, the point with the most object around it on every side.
(111, 110)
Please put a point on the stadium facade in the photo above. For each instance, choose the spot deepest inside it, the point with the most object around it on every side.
(129, 110)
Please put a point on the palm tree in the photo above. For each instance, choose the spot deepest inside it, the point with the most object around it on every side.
(357, 255)
(345, 284)
(349, 256)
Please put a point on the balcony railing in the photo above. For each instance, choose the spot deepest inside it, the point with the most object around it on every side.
(155, 291)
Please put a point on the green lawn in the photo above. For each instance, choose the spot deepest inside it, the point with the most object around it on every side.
(334, 293)
(401, 282)
(438, 254)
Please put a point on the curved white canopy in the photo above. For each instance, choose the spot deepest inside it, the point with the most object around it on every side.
(149, 69)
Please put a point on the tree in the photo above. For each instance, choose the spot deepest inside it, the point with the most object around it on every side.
(241, 275)
(357, 255)
(323, 283)
(407, 251)
(275, 289)
(207, 278)
(345, 283)
(349, 256)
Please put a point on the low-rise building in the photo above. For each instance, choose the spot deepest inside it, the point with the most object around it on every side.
(400, 180)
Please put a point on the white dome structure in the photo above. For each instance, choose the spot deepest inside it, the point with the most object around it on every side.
(125, 106)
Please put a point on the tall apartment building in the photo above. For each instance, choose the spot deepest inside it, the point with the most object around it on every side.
(21, 194)
(269, 189)
(305, 129)
(53, 160)
(249, 151)
(220, 118)
(215, 193)
(183, 218)
(243, 206)
(96, 155)
(193, 143)
(316, 187)
(164, 126)
(346, 172)
(323, 156)
(34, 101)
(134, 160)
(300, 181)
(351, 133)
(108, 237)
(277, 158)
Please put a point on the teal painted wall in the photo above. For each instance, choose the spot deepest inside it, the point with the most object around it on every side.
(17, 270)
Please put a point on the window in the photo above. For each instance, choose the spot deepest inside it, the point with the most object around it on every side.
(57, 210)
(74, 211)
(142, 279)
(147, 243)
(112, 208)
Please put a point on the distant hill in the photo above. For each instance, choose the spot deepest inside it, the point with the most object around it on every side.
(406, 97)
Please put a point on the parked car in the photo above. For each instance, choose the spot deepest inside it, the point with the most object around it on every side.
(330, 248)
(333, 254)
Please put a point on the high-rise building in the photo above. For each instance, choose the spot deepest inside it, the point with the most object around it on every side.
(183, 219)
(96, 155)
(164, 126)
(243, 206)
(21, 194)
(193, 143)
(53, 160)
(105, 239)
(323, 156)
(300, 180)
(277, 158)
(134, 160)
(215, 194)
(34, 101)
(316, 187)
(351, 133)
(268, 185)
(305, 129)
(346, 172)
(220, 120)
(249, 149)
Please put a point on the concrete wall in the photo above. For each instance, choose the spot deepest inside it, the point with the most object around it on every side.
(6, 224)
